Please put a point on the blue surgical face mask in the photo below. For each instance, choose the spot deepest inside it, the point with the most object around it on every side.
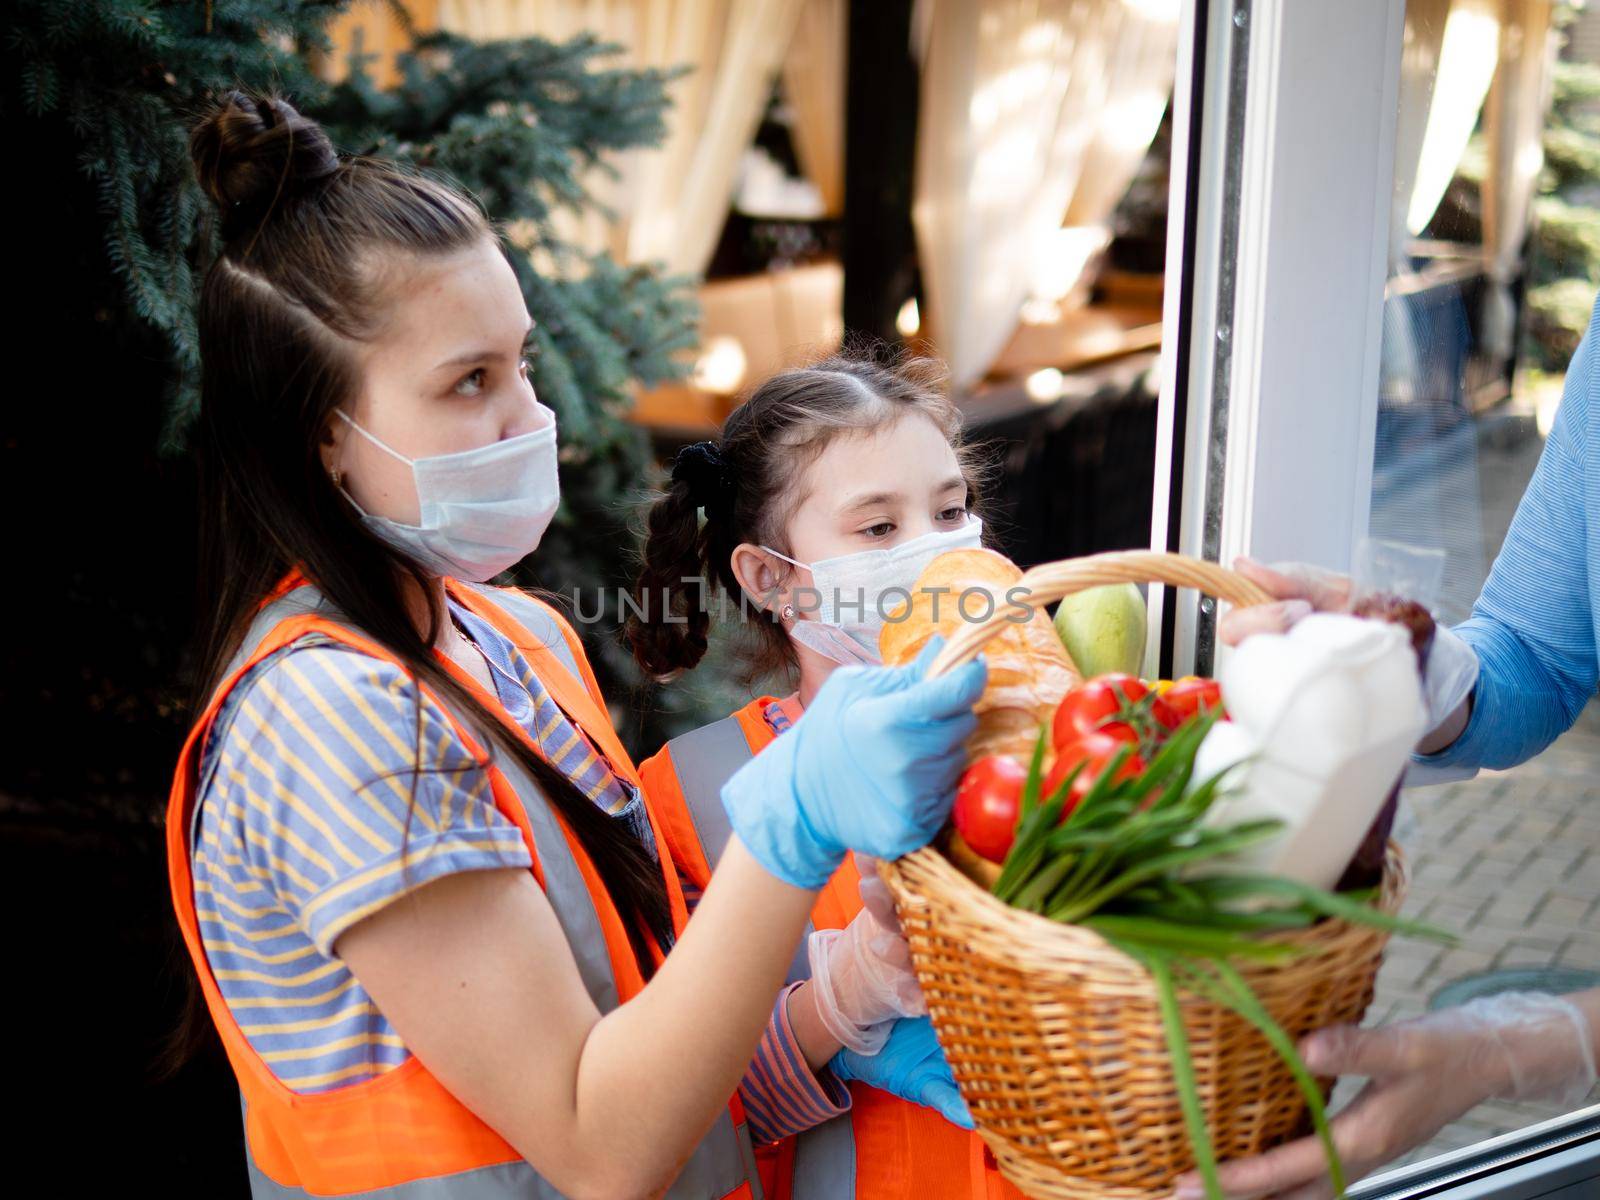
(852, 594)
(480, 510)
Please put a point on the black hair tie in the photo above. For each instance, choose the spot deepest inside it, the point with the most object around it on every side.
(702, 467)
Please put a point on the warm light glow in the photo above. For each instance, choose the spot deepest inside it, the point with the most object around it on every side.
(721, 366)
(1153, 10)
(1095, 342)
(1045, 385)
(1040, 38)
(908, 320)
(1005, 163)
(1546, 407)
(1058, 263)
(1529, 160)
(1040, 312)
(1129, 122)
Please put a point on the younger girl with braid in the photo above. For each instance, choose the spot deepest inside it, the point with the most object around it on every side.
(831, 488)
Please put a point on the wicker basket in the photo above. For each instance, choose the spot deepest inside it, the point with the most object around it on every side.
(1055, 1037)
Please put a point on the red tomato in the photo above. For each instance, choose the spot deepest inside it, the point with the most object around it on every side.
(988, 802)
(1094, 706)
(1095, 751)
(1190, 696)
(1119, 705)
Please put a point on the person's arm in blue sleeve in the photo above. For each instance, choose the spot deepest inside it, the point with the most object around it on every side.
(1531, 634)
(1533, 625)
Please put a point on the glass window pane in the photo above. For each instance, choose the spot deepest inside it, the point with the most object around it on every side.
(1487, 293)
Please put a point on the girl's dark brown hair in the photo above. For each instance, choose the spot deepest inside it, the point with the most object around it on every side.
(766, 446)
(312, 243)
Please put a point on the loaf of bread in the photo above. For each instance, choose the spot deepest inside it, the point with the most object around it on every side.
(1029, 670)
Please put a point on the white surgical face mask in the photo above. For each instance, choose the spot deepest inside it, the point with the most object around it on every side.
(480, 510)
(851, 594)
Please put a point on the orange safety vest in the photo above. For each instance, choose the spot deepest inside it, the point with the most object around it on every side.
(884, 1146)
(402, 1135)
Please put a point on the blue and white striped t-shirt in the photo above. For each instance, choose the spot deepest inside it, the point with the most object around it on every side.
(305, 795)
(305, 801)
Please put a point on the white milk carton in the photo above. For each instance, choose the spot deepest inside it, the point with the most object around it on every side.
(1324, 721)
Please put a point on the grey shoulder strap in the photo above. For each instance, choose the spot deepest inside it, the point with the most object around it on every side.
(565, 887)
(825, 1161)
(703, 760)
(305, 599)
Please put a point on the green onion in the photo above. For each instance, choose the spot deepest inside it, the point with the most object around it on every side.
(1030, 789)
(1186, 939)
(1028, 848)
(1235, 994)
(1332, 904)
(1204, 845)
(1183, 1077)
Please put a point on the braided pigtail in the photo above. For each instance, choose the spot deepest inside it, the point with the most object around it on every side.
(669, 624)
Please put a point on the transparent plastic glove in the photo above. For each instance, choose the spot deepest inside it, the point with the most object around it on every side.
(1381, 566)
(1449, 680)
(910, 1066)
(1302, 589)
(872, 765)
(875, 896)
(1424, 1073)
(1298, 589)
(863, 978)
(1385, 566)
(1451, 675)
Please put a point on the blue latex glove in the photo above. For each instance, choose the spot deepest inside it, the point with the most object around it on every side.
(910, 1066)
(872, 765)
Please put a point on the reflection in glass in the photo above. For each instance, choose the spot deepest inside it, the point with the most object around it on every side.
(1468, 373)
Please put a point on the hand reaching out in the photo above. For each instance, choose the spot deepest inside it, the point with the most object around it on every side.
(1423, 1074)
(1299, 589)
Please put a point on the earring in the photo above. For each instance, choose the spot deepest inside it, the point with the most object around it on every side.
(788, 612)
(337, 476)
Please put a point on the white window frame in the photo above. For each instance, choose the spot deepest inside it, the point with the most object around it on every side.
(1277, 256)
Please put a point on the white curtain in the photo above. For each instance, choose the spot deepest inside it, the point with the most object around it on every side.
(814, 84)
(1020, 103)
(671, 201)
(1450, 51)
(1144, 60)
(1515, 120)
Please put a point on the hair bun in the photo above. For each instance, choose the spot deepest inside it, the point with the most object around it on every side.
(250, 150)
(702, 469)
